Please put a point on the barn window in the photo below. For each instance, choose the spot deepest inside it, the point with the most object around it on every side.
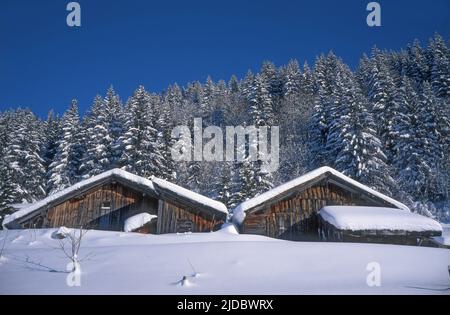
(184, 226)
(281, 224)
(106, 205)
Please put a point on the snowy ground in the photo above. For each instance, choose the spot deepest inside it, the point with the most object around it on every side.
(445, 238)
(217, 263)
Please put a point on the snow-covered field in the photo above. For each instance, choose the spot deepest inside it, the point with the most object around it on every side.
(216, 263)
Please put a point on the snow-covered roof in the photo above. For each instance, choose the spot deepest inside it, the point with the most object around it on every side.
(351, 218)
(60, 196)
(239, 212)
(189, 195)
(145, 185)
(137, 221)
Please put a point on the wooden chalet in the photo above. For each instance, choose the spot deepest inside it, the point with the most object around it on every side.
(106, 201)
(290, 211)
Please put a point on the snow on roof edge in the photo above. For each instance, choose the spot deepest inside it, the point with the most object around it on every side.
(114, 172)
(214, 204)
(239, 212)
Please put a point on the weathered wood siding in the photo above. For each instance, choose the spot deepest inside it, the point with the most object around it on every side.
(295, 218)
(174, 219)
(105, 207)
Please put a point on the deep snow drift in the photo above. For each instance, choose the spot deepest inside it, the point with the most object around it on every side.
(216, 263)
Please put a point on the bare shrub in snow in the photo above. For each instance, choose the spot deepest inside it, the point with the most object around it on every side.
(2, 249)
(70, 241)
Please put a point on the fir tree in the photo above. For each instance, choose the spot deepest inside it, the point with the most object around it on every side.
(140, 154)
(64, 171)
(103, 128)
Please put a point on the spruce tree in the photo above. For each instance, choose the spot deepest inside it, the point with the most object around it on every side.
(140, 154)
(65, 169)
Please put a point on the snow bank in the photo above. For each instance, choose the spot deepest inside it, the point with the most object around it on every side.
(445, 238)
(115, 172)
(137, 221)
(183, 192)
(220, 264)
(61, 233)
(442, 240)
(239, 211)
(373, 218)
(229, 228)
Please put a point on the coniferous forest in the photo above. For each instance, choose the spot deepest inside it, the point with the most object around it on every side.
(385, 123)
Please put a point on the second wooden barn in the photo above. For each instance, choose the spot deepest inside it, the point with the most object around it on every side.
(114, 199)
(290, 211)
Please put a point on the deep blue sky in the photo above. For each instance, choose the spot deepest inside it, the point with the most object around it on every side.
(44, 63)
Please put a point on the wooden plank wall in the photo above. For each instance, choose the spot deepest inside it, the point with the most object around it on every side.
(298, 214)
(85, 210)
(170, 215)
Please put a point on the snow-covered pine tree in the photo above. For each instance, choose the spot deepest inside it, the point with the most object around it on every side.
(291, 79)
(294, 118)
(260, 104)
(65, 169)
(439, 58)
(139, 141)
(273, 80)
(416, 67)
(207, 104)
(102, 128)
(307, 82)
(7, 192)
(418, 151)
(328, 72)
(224, 184)
(220, 104)
(248, 188)
(261, 114)
(381, 93)
(114, 114)
(430, 151)
(164, 143)
(443, 127)
(235, 109)
(405, 125)
(89, 164)
(363, 72)
(360, 152)
(52, 134)
(23, 155)
(5, 127)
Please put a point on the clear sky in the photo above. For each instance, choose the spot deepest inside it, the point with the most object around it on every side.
(44, 63)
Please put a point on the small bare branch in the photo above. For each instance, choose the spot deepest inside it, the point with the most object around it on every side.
(2, 250)
(29, 261)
